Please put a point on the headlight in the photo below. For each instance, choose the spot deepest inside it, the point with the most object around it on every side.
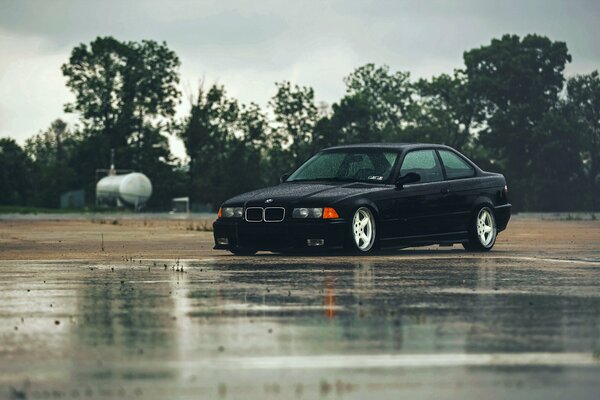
(307, 213)
(232, 212)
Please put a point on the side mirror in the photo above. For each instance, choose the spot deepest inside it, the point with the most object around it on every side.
(410, 177)
(284, 177)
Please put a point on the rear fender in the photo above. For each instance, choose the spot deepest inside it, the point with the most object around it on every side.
(481, 201)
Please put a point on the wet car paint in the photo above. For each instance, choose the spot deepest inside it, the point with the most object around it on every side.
(415, 213)
(305, 327)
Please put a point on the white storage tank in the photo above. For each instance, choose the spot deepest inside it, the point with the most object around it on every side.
(133, 189)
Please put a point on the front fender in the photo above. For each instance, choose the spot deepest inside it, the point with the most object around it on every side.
(347, 207)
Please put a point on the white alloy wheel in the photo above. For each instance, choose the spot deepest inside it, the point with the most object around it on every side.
(363, 229)
(486, 227)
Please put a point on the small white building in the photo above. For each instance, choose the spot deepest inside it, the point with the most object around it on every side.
(180, 205)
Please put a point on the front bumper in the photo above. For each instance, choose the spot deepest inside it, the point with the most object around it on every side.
(278, 236)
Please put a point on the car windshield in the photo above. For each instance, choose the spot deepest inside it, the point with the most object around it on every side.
(348, 165)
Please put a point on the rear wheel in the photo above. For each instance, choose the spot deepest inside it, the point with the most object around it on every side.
(362, 231)
(483, 231)
(243, 252)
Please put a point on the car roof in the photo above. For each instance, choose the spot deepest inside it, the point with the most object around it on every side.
(388, 146)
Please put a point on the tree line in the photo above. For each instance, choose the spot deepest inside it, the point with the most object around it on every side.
(510, 108)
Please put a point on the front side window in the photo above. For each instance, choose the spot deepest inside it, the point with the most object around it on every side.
(425, 163)
(347, 165)
(455, 166)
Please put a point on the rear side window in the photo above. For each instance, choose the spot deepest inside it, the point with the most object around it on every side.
(455, 166)
(425, 163)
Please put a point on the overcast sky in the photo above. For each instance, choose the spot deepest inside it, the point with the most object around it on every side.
(248, 45)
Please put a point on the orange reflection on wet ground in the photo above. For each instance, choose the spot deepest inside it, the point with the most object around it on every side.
(328, 302)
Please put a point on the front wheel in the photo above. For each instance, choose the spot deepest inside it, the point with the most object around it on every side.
(362, 231)
(482, 232)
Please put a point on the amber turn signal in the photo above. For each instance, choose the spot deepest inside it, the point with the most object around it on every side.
(330, 213)
(220, 214)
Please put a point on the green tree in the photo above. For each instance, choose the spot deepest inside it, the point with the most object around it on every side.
(517, 82)
(253, 150)
(126, 94)
(121, 88)
(295, 117)
(583, 102)
(15, 174)
(447, 112)
(227, 145)
(51, 153)
(378, 106)
(207, 134)
(154, 158)
(556, 170)
(52, 145)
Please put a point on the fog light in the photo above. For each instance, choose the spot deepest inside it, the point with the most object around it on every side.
(315, 242)
(224, 241)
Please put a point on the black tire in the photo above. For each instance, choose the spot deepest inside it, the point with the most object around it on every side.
(370, 230)
(243, 252)
(480, 238)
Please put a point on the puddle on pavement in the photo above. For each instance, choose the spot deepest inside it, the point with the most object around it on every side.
(159, 328)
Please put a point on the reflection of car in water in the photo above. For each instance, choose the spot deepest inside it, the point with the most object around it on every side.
(371, 196)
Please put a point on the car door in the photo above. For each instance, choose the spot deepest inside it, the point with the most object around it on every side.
(461, 194)
(420, 205)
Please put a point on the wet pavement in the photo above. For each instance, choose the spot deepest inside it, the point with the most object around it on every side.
(302, 328)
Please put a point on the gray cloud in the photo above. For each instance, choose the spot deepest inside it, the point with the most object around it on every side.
(248, 45)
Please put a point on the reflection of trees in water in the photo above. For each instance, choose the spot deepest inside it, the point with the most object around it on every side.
(414, 305)
(387, 306)
(533, 316)
(343, 299)
(411, 306)
(125, 317)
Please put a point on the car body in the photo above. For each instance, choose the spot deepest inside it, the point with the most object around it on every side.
(412, 194)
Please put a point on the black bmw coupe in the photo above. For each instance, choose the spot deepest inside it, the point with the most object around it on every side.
(370, 196)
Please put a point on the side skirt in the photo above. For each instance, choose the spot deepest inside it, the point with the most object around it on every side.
(425, 240)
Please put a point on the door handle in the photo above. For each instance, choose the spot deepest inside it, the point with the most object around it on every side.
(445, 191)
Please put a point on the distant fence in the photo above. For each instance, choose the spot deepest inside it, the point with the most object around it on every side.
(108, 216)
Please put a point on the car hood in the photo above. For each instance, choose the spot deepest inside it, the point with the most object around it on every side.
(303, 193)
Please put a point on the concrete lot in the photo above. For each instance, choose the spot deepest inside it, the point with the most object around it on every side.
(145, 309)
